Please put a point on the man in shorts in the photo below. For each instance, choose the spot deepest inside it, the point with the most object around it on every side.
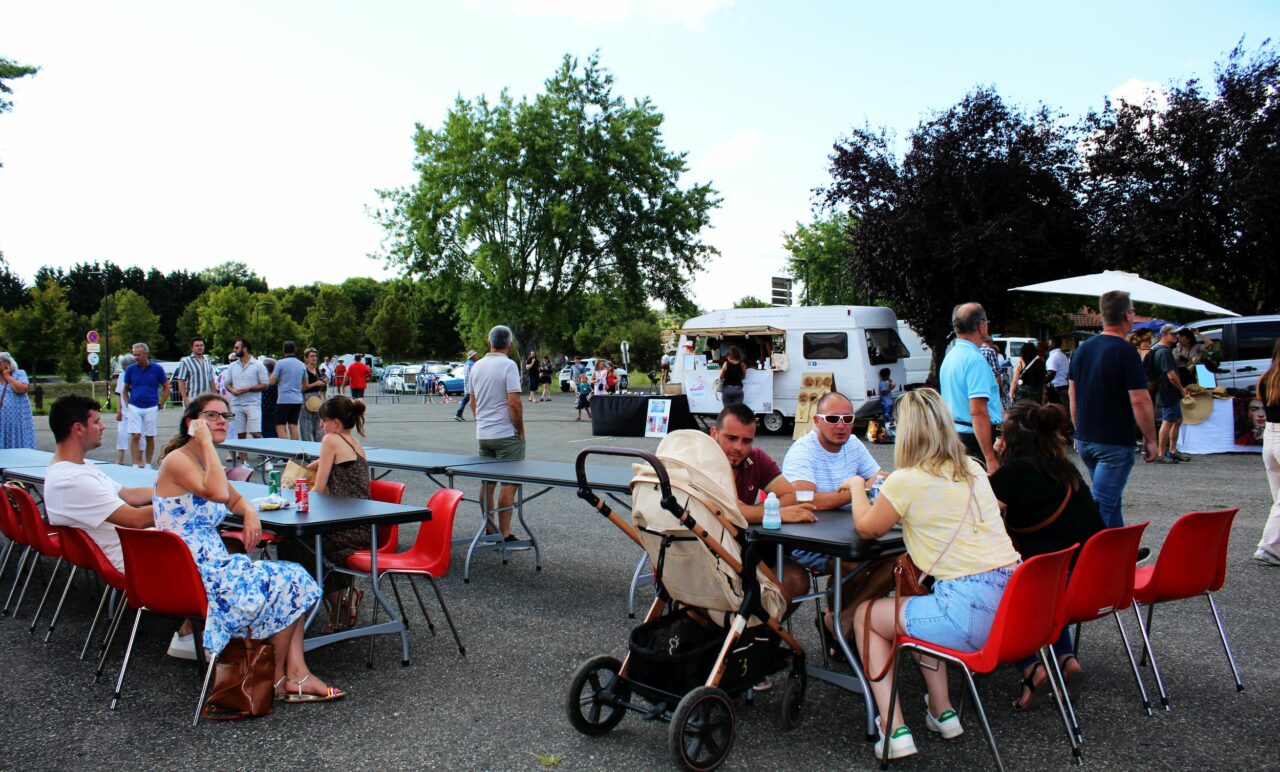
(146, 387)
(288, 375)
(358, 376)
(246, 379)
(494, 387)
(122, 424)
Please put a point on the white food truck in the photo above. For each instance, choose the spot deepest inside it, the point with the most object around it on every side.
(780, 345)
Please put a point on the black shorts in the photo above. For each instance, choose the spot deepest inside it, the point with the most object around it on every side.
(288, 414)
(357, 393)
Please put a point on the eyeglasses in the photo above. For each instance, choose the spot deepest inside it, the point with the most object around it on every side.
(213, 415)
(832, 418)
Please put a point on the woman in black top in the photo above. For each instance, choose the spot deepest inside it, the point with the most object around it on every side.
(531, 369)
(1028, 375)
(1047, 507)
(731, 375)
(313, 385)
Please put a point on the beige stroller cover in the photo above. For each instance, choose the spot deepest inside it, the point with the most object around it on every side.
(702, 481)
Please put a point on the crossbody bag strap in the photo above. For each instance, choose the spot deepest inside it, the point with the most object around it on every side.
(1046, 523)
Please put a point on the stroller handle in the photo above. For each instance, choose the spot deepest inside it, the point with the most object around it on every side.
(580, 468)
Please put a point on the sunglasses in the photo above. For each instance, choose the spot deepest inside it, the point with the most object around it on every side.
(213, 415)
(831, 418)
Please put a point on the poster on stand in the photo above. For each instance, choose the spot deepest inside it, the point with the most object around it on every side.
(658, 420)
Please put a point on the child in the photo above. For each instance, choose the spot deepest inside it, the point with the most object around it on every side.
(584, 397)
(886, 394)
(441, 390)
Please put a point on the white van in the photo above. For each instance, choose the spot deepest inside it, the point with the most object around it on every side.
(853, 343)
(920, 359)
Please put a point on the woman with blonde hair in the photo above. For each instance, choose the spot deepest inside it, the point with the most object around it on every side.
(1269, 395)
(953, 531)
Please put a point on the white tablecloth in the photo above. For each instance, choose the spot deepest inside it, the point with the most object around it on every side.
(1216, 434)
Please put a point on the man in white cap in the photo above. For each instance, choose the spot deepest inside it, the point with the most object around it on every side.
(466, 383)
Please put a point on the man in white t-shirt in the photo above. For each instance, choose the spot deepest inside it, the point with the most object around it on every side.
(494, 387)
(77, 493)
(1057, 366)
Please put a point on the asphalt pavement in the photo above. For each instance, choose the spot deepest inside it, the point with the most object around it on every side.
(503, 706)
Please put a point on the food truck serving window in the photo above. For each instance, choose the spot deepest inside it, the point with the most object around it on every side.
(884, 347)
(826, 345)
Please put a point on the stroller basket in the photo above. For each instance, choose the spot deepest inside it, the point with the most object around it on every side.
(674, 654)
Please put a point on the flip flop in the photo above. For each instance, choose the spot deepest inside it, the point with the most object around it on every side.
(331, 693)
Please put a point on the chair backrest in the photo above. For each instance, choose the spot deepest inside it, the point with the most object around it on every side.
(1102, 580)
(80, 548)
(434, 545)
(34, 529)
(160, 573)
(239, 473)
(1029, 610)
(388, 492)
(10, 523)
(1193, 558)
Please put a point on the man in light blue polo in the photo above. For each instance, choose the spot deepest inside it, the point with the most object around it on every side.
(969, 387)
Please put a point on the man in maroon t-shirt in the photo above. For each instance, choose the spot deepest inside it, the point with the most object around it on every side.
(358, 377)
(754, 471)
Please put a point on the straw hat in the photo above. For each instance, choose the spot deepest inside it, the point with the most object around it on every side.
(1196, 408)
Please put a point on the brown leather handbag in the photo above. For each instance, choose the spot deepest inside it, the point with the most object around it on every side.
(243, 681)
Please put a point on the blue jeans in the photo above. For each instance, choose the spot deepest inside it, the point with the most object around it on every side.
(1109, 467)
(463, 403)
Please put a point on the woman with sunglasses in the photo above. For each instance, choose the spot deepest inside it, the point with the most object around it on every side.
(952, 529)
(263, 599)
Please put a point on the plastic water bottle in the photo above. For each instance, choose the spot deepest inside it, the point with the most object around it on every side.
(772, 513)
(874, 491)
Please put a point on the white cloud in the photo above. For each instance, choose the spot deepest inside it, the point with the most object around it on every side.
(690, 13)
(1139, 92)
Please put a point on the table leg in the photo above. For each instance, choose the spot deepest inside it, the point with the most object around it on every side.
(394, 623)
(856, 684)
(537, 551)
(638, 579)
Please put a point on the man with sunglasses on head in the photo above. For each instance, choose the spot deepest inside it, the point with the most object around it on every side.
(970, 388)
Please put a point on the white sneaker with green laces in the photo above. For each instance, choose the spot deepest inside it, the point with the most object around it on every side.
(946, 724)
(901, 743)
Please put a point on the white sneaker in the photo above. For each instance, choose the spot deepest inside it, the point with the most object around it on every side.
(183, 646)
(946, 724)
(1262, 556)
(901, 743)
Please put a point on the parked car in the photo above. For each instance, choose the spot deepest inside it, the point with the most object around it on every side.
(1244, 347)
(590, 362)
(393, 379)
(453, 383)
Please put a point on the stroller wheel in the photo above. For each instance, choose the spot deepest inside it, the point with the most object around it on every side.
(593, 696)
(792, 702)
(701, 733)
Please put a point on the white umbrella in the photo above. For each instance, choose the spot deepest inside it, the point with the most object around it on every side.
(1139, 289)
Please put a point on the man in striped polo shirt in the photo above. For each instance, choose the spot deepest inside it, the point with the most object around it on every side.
(195, 373)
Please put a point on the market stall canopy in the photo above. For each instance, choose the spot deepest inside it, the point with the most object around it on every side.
(732, 330)
(1140, 290)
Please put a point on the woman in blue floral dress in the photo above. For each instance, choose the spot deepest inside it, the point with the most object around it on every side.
(16, 428)
(262, 599)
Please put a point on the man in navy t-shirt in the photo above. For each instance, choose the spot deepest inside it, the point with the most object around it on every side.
(146, 387)
(1109, 405)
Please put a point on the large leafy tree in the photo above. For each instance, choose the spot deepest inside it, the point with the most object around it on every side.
(11, 70)
(233, 273)
(819, 260)
(392, 328)
(751, 301)
(226, 315)
(132, 321)
(13, 290)
(41, 333)
(522, 206)
(331, 324)
(981, 202)
(1188, 193)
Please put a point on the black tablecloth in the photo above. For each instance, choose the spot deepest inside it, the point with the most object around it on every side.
(623, 415)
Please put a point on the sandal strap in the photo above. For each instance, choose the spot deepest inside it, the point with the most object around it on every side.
(300, 682)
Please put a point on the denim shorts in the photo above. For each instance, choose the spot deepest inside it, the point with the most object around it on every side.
(1171, 412)
(959, 612)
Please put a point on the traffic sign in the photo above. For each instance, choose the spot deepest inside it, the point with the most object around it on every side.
(93, 359)
(91, 336)
(94, 348)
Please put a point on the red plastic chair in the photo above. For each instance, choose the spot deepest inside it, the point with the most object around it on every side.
(1026, 623)
(241, 474)
(1192, 560)
(428, 557)
(161, 577)
(388, 492)
(1101, 584)
(11, 527)
(82, 551)
(43, 540)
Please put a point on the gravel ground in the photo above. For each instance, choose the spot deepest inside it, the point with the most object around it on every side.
(502, 707)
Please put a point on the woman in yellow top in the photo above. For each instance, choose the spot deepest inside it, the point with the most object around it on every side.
(952, 529)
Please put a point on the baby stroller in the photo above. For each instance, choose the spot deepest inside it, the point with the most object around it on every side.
(713, 631)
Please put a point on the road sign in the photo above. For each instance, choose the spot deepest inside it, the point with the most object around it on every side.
(94, 348)
(91, 336)
(626, 353)
(93, 359)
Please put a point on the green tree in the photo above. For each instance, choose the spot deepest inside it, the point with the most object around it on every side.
(364, 294)
(1188, 194)
(392, 328)
(226, 315)
(644, 337)
(132, 321)
(751, 301)
(521, 207)
(233, 273)
(331, 324)
(819, 261)
(11, 70)
(981, 202)
(40, 333)
(13, 290)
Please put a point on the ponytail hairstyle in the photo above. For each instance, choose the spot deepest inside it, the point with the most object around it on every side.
(1038, 434)
(345, 410)
(192, 410)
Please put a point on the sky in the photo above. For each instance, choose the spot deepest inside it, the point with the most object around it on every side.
(181, 135)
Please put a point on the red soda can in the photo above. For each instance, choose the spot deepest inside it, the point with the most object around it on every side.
(301, 496)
